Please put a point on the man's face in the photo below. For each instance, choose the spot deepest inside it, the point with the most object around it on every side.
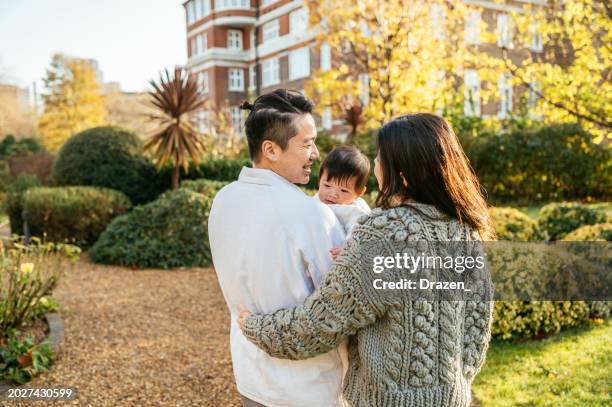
(295, 163)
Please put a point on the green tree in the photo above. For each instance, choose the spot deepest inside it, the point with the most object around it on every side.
(73, 101)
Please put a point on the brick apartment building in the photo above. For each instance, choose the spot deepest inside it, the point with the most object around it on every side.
(242, 48)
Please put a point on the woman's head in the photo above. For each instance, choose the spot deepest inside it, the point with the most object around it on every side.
(420, 158)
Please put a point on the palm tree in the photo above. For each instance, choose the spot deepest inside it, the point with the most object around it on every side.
(177, 141)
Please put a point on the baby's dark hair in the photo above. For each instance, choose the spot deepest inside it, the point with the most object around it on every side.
(272, 117)
(345, 162)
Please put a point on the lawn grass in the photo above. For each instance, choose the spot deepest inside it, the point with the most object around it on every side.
(572, 368)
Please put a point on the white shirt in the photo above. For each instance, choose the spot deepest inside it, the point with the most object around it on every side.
(349, 213)
(270, 247)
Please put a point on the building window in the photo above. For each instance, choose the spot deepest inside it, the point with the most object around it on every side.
(298, 20)
(203, 82)
(236, 118)
(299, 63)
(326, 119)
(325, 59)
(504, 31)
(199, 44)
(202, 120)
(504, 85)
(252, 77)
(364, 85)
(190, 12)
(202, 9)
(471, 93)
(537, 44)
(265, 3)
(472, 27)
(234, 39)
(437, 15)
(231, 4)
(270, 72)
(270, 30)
(236, 80)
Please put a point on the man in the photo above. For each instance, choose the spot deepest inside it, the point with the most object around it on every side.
(270, 245)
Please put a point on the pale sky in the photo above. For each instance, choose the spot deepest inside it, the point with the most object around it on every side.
(131, 39)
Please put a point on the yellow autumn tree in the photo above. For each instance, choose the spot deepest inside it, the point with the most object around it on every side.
(394, 57)
(72, 102)
(569, 74)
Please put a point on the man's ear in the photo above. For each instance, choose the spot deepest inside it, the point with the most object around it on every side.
(269, 150)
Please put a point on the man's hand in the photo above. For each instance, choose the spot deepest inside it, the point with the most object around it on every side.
(335, 252)
(243, 314)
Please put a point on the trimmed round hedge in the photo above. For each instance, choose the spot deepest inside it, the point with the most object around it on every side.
(171, 231)
(559, 219)
(108, 157)
(75, 215)
(597, 232)
(512, 224)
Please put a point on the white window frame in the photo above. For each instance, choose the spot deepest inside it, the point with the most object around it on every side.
(364, 88)
(203, 82)
(236, 119)
(298, 20)
(270, 30)
(191, 9)
(504, 30)
(270, 69)
(234, 43)
(537, 42)
(235, 79)
(299, 63)
(325, 57)
(231, 4)
(252, 76)
(327, 119)
(504, 86)
(471, 93)
(265, 3)
(472, 27)
(206, 10)
(438, 20)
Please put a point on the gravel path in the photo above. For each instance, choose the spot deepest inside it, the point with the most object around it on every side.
(142, 338)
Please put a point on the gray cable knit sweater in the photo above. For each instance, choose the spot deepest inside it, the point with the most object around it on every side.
(401, 352)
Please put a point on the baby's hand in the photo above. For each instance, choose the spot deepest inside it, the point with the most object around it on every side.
(335, 252)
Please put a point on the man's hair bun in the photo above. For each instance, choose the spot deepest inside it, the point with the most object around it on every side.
(246, 105)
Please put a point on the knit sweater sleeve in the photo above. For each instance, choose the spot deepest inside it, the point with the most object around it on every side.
(340, 306)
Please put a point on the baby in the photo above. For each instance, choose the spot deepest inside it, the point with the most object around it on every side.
(342, 181)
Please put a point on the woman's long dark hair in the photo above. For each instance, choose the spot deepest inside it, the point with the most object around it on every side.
(424, 150)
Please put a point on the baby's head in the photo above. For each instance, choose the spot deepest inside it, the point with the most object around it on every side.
(343, 176)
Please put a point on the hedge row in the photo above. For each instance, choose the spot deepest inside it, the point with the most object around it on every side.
(171, 231)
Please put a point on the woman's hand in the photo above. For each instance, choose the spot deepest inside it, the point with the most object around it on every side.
(243, 314)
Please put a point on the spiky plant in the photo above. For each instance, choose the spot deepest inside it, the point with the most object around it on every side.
(177, 141)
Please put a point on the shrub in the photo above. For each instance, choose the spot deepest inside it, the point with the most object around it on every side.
(206, 187)
(597, 232)
(538, 272)
(108, 157)
(536, 319)
(14, 200)
(29, 273)
(171, 231)
(73, 214)
(512, 224)
(9, 146)
(544, 164)
(39, 164)
(216, 169)
(559, 219)
(22, 359)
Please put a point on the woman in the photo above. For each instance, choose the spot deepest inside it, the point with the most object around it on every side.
(402, 351)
